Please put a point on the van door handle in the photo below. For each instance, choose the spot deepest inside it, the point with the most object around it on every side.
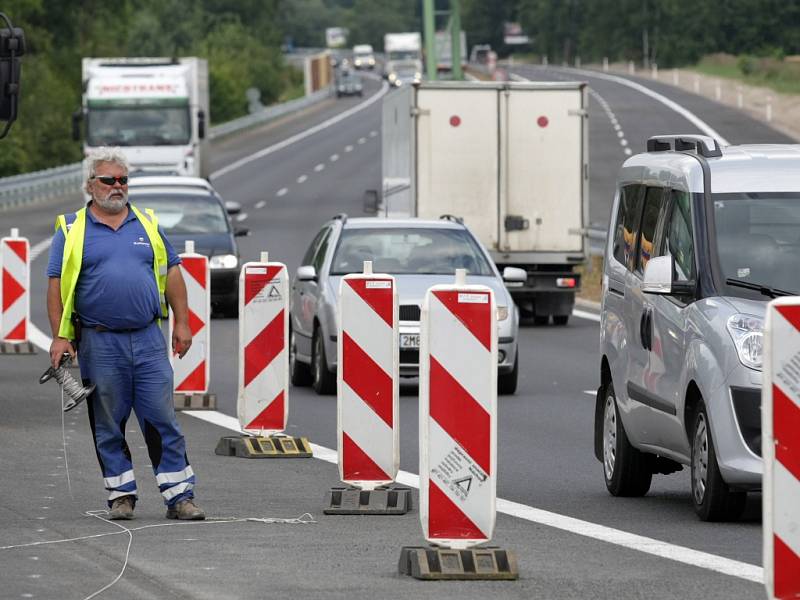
(646, 329)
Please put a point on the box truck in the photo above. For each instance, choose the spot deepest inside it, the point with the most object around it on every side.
(511, 160)
(402, 57)
(154, 109)
(444, 50)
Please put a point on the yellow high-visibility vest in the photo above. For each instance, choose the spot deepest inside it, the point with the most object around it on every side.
(74, 234)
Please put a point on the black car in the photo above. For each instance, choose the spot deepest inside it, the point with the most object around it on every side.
(188, 208)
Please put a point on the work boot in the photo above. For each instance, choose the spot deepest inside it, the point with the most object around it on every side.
(185, 510)
(121, 509)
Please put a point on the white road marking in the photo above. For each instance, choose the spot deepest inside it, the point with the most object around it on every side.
(373, 133)
(334, 157)
(632, 541)
(319, 167)
(261, 204)
(590, 392)
(348, 148)
(302, 178)
(37, 249)
(302, 135)
(582, 314)
(628, 151)
(282, 192)
(362, 140)
(241, 217)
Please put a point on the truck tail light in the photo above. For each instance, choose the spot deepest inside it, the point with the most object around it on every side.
(565, 282)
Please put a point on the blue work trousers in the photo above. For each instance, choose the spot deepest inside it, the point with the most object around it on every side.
(131, 371)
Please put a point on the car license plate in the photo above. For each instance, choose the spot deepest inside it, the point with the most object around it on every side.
(409, 340)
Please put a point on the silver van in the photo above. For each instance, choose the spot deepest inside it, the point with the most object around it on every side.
(700, 239)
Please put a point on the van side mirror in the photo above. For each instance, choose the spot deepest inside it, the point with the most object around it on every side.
(658, 275)
(515, 275)
(306, 273)
(201, 124)
(77, 119)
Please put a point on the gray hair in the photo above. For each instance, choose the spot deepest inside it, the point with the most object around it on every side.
(105, 154)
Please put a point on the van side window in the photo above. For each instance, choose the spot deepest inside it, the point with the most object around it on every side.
(653, 203)
(308, 259)
(627, 226)
(679, 242)
(319, 259)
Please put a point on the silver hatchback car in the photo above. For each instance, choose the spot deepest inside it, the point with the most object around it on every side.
(419, 253)
(700, 239)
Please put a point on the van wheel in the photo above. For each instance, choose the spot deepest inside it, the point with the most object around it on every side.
(323, 381)
(507, 382)
(712, 498)
(560, 319)
(299, 373)
(626, 470)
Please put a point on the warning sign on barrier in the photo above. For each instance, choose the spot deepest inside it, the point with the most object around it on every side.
(458, 414)
(192, 371)
(263, 399)
(780, 426)
(14, 288)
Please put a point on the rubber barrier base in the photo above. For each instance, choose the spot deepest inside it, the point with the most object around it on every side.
(431, 563)
(23, 348)
(274, 446)
(195, 401)
(381, 501)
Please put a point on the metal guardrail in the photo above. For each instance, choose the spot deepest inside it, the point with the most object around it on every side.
(67, 179)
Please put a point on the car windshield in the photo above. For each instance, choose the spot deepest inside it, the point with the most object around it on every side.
(184, 214)
(758, 240)
(139, 126)
(409, 251)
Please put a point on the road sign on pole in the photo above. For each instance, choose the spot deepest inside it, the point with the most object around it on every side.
(15, 303)
(780, 424)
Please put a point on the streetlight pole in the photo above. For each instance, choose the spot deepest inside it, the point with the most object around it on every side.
(429, 30)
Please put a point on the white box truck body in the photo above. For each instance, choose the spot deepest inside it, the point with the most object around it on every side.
(402, 57)
(511, 160)
(155, 109)
(444, 50)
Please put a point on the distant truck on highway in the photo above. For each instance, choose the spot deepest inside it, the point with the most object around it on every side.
(403, 57)
(363, 56)
(154, 109)
(444, 50)
(511, 160)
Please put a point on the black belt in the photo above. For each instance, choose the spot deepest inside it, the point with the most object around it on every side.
(103, 328)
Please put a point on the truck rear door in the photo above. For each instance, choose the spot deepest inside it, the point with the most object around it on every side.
(458, 157)
(544, 176)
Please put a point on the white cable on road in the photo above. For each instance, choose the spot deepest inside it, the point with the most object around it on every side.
(303, 134)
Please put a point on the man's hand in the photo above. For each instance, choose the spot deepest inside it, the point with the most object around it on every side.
(57, 349)
(181, 339)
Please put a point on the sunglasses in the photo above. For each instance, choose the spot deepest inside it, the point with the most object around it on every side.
(109, 180)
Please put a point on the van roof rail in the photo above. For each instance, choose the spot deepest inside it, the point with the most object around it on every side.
(340, 217)
(452, 218)
(704, 145)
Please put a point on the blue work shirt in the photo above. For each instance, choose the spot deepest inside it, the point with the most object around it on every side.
(116, 287)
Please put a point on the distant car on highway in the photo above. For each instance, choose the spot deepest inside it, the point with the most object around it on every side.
(419, 253)
(348, 83)
(363, 56)
(188, 208)
(700, 239)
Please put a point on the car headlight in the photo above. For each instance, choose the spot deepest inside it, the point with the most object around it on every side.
(418, 76)
(223, 261)
(747, 332)
(371, 62)
(502, 313)
(392, 77)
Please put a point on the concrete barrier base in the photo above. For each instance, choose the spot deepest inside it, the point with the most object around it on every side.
(430, 563)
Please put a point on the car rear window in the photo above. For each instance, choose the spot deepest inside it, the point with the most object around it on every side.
(185, 213)
(409, 251)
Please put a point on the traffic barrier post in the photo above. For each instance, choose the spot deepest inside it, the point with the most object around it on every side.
(458, 436)
(780, 448)
(15, 299)
(263, 390)
(191, 373)
(368, 397)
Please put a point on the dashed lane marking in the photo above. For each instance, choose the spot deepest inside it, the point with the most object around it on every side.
(302, 178)
(362, 140)
(373, 133)
(319, 167)
(261, 204)
(590, 392)
(241, 217)
(334, 157)
(632, 541)
(302, 135)
(348, 148)
(282, 192)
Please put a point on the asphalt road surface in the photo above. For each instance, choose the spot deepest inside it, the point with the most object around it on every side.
(573, 539)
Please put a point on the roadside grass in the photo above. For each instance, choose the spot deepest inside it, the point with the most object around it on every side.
(779, 74)
(591, 279)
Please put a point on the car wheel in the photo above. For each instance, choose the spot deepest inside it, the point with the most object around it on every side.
(626, 470)
(322, 380)
(712, 498)
(560, 319)
(507, 382)
(299, 373)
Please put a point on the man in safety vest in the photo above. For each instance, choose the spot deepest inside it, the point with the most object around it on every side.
(112, 273)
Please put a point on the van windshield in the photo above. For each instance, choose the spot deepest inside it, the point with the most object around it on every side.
(758, 241)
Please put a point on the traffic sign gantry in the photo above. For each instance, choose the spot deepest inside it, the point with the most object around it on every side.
(368, 396)
(15, 294)
(263, 395)
(780, 424)
(458, 436)
(191, 372)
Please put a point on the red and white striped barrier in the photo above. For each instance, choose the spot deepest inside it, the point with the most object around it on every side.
(263, 401)
(16, 276)
(192, 371)
(780, 428)
(368, 379)
(458, 414)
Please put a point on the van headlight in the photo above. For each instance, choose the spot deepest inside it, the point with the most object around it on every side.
(223, 261)
(747, 333)
(502, 313)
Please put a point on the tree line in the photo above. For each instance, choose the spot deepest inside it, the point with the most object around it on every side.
(240, 39)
